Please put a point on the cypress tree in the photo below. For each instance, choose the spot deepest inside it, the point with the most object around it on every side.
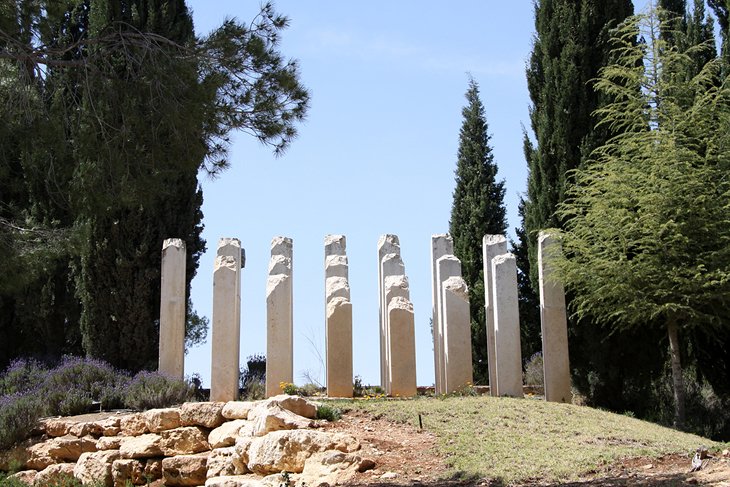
(477, 210)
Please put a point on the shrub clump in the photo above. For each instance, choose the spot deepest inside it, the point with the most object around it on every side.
(149, 390)
(30, 390)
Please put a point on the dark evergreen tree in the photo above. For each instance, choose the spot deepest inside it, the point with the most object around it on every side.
(477, 210)
(115, 107)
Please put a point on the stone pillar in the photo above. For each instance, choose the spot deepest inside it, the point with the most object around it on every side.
(507, 326)
(172, 309)
(387, 244)
(338, 326)
(402, 347)
(492, 246)
(447, 267)
(390, 266)
(226, 328)
(458, 371)
(554, 322)
(441, 245)
(279, 317)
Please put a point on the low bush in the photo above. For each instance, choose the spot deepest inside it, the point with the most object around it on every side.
(19, 414)
(534, 370)
(21, 376)
(330, 413)
(149, 390)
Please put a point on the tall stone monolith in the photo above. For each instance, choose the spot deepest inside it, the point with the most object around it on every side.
(492, 246)
(279, 317)
(226, 329)
(554, 322)
(338, 321)
(458, 372)
(506, 326)
(387, 244)
(447, 267)
(441, 244)
(390, 266)
(402, 347)
(172, 309)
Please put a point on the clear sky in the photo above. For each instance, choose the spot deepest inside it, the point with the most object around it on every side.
(376, 155)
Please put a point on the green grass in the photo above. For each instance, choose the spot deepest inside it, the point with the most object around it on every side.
(514, 440)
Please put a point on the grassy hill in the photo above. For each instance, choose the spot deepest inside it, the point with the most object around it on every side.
(514, 440)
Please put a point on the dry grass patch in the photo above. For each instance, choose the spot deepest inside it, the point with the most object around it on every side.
(515, 440)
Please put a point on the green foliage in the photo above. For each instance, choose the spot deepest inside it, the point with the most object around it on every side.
(330, 413)
(647, 229)
(477, 210)
(534, 373)
(19, 414)
(252, 379)
(528, 300)
(113, 107)
(150, 390)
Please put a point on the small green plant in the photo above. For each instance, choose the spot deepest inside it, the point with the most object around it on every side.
(533, 371)
(357, 387)
(289, 388)
(330, 413)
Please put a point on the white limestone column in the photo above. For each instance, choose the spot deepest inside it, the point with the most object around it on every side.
(458, 371)
(492, 246)
(387, 244)
(554, 322)
(507, 326)
(447, 266)
(390, 266)
(441, 244)
(338, 324)
(226, 329)
(279, 317)
(172, 309)
(402, 347)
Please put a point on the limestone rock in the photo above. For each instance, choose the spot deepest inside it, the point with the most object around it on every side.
(127, 470)
(158, 420)
(55, 426)
(85, 428)
(225, 434)
(184, 441)
(109, 443)
(297, 405)
(234, 481)
(328, 468)
(184, 470)
(133, 425)
(62, 449)
(237, 409)
(143, 446)
(221, 462)
(55, 474)
(110, 426)
(240, 453)
(365, 465)
(96, 467)
(207, 414)
(288, 450)
(25, 476)
(273, 418)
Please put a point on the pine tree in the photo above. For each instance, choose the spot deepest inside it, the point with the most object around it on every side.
(477, 210)
(570, 47)
(646, 239)
(116, 107)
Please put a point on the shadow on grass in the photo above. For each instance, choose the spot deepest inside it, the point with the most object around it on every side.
(658, 480)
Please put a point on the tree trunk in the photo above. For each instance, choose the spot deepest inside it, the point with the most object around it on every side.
(677, 379)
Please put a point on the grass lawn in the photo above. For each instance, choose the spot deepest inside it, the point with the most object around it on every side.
(514, 440)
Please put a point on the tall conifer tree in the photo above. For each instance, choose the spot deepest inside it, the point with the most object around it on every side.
(477, 210)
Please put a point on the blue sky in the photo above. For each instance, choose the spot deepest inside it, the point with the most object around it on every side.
(376, 155)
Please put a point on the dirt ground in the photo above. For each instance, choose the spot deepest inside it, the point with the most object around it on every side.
(403, 455)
